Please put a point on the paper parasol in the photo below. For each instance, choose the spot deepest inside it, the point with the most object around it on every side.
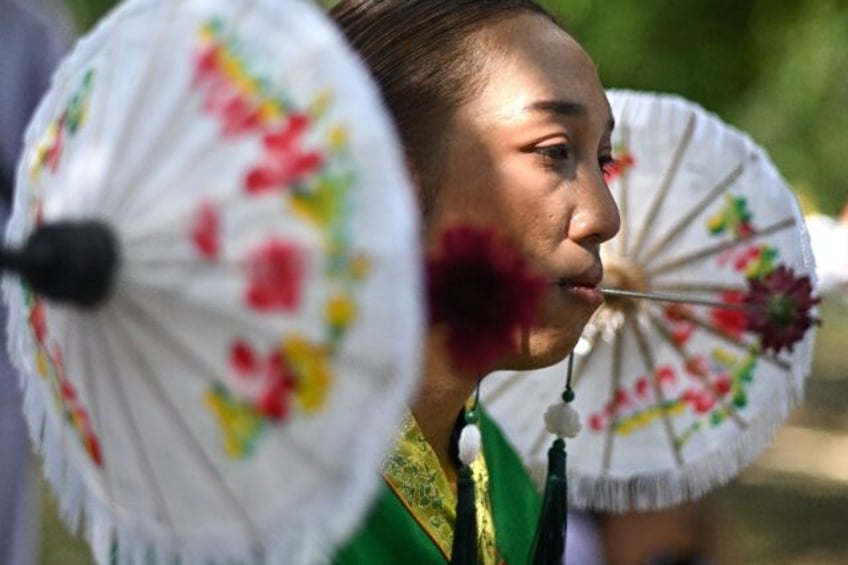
(677, 398)
(232, 173)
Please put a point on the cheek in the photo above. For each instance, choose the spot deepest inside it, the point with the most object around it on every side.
(538, 221)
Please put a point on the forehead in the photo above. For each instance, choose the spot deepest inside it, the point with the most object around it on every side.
(529, 59)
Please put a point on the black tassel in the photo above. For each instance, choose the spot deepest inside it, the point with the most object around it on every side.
(464, 550)
(550, 535)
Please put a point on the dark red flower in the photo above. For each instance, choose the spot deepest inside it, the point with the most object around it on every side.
(780, 305)
(481, 289)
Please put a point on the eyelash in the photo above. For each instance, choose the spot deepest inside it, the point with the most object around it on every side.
(606, 162)
(550, 155)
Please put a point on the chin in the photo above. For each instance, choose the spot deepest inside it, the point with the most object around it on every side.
(540, 348)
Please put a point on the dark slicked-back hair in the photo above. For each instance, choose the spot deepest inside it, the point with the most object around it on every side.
(423, 55)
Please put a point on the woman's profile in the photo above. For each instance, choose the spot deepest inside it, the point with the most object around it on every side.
(504, 124)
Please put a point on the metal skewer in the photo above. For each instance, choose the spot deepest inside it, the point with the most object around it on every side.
(675, 298)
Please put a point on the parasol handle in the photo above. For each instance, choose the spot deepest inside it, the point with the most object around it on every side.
(73, 262)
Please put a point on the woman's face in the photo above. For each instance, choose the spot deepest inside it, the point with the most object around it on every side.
(526, 156)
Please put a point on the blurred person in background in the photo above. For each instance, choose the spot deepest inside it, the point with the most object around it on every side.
(32, 41)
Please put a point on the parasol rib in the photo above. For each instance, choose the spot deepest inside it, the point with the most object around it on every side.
(144, 456)
(582, 364)
(146, 77)
(624, 194)
(693, 213)
(175, 117)
(648, 358)
(658, 201)
(712, 250)
(685, 357)
(728, 338)
(89, 352)
(169, 337)
(615, 383)
(213, 310)
(676, 299)
(178, 117)
(190, 441)
(715, 288)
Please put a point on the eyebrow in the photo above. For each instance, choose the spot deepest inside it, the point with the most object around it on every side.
(564, 108)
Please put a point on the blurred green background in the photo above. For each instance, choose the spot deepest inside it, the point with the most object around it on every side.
(779, 71)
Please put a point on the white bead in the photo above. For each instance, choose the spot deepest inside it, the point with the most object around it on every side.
(562, 420)
(469, 443)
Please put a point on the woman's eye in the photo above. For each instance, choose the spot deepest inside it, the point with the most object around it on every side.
(552, 155)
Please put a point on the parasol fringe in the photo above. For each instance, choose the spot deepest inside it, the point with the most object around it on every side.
(84, 514)
(110, 538)
(689, 482)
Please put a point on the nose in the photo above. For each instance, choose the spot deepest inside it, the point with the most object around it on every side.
(596, 218)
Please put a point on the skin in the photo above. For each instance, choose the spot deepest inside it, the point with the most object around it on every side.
(526, 156)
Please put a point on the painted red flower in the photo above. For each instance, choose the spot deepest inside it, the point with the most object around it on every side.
(598, 422)
(642, 387)
(205, 231)
(285, 161)
(38, 321)
(277, 381)
(275, 400)
(697, 366)
(207, 65)
(731, 321)
(618, 166)
(276, 271)
(481, 289)
(243, 360)
(54, 152)
(779, 308)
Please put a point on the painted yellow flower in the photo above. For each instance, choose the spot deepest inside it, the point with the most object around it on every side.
(42, 364)
(320, 205)
(311, 364)
(320, 104)
(337, 138)
(340, 312)
(360, 266)
(42, 150)
(270, 112)
(239, 422)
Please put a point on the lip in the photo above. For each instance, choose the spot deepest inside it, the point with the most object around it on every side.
(585, 286)
(591, 277)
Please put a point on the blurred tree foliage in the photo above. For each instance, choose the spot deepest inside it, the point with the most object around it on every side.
(777, 70)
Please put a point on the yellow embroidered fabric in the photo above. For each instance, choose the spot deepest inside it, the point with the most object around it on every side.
(413, 472)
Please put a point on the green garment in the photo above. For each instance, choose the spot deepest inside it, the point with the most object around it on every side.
(392, 535)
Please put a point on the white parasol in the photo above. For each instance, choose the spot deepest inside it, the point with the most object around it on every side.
(679, 394)
(223, 388)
